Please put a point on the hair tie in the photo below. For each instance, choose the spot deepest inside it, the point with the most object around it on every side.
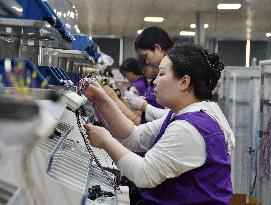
(220, 66)
(205, 54)
(213, 67)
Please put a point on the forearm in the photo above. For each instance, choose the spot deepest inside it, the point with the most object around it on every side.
(132, 165)
(153, 113)
(120, 126)
(135, 118)
(115, 149)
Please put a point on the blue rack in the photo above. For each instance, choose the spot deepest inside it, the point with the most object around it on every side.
(83, 42)
(41, 10)
(28, 70)
(57, 76)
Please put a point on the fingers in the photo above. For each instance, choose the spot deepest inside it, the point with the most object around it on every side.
(96, 135)
(89, 128)
(83, 83)
(95, 83)
(86, 82)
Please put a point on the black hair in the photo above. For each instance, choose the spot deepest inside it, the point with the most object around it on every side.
(141, 62)
(203, 68)
(135, 66)
(151, 36)
(131, 65)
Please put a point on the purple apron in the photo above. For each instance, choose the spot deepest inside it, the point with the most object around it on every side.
(140, 85)
(209, 184)
(151, 99)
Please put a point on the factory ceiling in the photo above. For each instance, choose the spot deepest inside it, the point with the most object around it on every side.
(125, 17)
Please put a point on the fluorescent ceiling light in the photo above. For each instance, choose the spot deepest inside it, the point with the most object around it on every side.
(268, 35)
(139, 31)
(187, 33)
(193, 25)
(228, 6)
(154, 19)
(247, 53)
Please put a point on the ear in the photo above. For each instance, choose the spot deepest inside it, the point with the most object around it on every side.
(184, 82)
(157, 47)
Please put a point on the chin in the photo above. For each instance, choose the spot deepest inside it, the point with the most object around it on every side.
(165, 103)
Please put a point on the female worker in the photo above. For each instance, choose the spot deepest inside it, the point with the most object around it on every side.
(132, 71)
(187, 159)
(151, 45)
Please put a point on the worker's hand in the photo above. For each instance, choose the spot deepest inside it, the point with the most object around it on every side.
(97, 136)
(110, 92)
(133, 100)
(92, 90)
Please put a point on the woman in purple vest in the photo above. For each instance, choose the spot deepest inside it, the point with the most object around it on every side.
(187, 159)
(132, 71)
(151, 45)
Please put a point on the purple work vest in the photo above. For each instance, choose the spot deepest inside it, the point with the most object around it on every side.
(150, 96)
(151, 99)
(209, 184)
(140, 85)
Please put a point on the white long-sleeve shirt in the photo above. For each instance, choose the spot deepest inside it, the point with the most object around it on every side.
(181, 148)
(154, 113)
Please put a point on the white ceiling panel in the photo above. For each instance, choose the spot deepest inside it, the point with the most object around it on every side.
(125, 17)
